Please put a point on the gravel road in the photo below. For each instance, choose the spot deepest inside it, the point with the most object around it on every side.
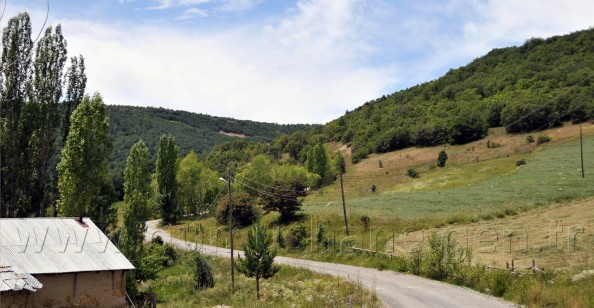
(394, 289)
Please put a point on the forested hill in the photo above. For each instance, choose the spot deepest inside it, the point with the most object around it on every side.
(197, 132)
(534, 86)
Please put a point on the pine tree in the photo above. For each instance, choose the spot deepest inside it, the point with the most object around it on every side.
(82, 172)
(167, 165)
(259, 258)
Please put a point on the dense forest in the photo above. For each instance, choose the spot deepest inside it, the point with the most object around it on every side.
(192, 132)
(534, 86)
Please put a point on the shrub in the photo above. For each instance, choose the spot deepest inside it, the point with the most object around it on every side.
(365, 220)
(520, 162)
(297, 233)
(412, 173)
(280, 239)
(529, 139)
(492, 144)
(157, 240)
(373, 188)
(542, 139)
(445, 257)
(416, 260)
(442, 158)
(321, 236)
(244, 212)
(202, 273)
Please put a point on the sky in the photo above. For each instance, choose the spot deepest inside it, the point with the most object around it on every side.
(285, 61)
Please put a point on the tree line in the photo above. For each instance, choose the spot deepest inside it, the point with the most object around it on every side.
(35, 120)
(535, 86)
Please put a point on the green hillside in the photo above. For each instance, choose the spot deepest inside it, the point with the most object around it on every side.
(527, 88)
(197, 132)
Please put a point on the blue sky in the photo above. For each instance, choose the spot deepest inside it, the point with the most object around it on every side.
(284, 61)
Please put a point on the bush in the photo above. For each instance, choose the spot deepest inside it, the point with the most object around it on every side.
(441, 159)
(373, 188)
(542, 139)
(297, 233)
(365, 220)
(321, 236)
(520, 162)
(529, 139)
(412, 173)
(202, 273)
(244, 212)
(280, 239)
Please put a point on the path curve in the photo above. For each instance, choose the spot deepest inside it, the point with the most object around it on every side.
(394, 289)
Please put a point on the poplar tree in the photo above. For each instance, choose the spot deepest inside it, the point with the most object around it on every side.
(317, 161)
(16, 83)
(47, 90)
(167, 165)
(259, 257)
(82, 172)
(137, 193)
(76, 80)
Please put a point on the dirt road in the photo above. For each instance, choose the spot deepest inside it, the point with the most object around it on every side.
(394, 289)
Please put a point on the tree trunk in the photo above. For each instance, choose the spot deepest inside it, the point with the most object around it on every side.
(258, 287)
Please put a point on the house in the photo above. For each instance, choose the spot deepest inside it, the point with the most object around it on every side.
(59, 262)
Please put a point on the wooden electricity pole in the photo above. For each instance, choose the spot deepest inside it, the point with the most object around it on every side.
(346, 222)
(582, 151)
(231, 230)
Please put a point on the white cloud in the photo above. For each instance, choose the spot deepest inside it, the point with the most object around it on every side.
(238, 5)
(161, 5)
(310, 63)
(192, 13)
(305, 68)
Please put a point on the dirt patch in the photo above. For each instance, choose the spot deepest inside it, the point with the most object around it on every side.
(232, 134)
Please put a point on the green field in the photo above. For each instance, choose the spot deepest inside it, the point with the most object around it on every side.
(476, 190)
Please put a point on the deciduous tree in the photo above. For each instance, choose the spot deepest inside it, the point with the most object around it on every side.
(82, 172)
(137, 193)
(16, 84)
(167, 165)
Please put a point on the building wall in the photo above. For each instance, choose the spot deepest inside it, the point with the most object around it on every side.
(87, 289)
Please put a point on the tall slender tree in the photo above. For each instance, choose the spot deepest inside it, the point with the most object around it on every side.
(16, 84)
(47, 91)
(82, 172)
(167, 165)
(137, 193)
(76, 81)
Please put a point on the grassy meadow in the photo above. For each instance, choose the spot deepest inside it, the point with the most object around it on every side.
(540, 210)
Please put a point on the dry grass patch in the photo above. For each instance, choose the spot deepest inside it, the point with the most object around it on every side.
(557, 237)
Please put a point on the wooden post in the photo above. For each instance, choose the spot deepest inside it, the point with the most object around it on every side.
(582, 151)
(346, 223)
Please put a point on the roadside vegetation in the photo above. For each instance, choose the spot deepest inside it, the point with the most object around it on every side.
(173, 287)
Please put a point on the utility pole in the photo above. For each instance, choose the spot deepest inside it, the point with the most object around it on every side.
(346, 222)
(231, 230)
(582, 151)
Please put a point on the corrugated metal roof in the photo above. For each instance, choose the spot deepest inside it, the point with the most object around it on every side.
(11, 281)
(57, 245)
